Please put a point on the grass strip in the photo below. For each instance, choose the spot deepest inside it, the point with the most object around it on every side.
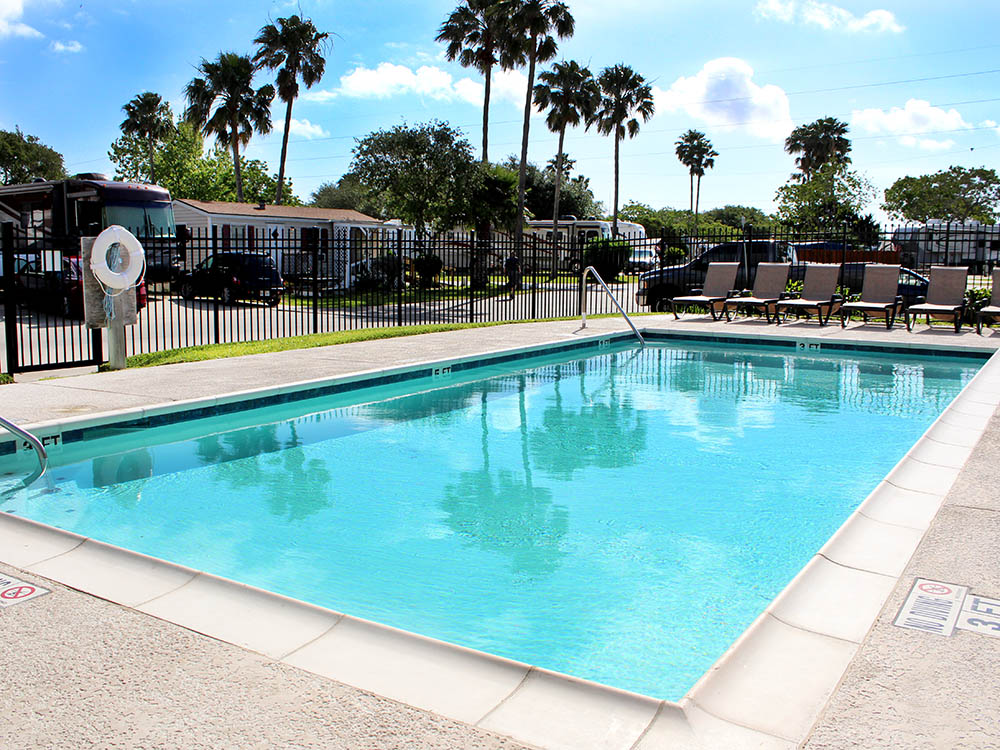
(240, 349)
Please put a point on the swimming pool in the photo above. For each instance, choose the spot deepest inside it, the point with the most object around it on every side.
(621, 517)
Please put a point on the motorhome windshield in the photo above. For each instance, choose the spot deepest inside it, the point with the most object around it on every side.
(150, 218)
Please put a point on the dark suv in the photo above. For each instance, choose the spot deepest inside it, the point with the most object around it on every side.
(657, 287)
(232, 277)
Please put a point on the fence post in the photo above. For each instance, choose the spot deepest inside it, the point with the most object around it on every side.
(947, 239)
(10, 304)
(473, 260)
(534, 276)
(215, 299)
(400, 281)
(843, 243)
(314, 243)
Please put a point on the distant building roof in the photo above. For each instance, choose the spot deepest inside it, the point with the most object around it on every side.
(278, 212)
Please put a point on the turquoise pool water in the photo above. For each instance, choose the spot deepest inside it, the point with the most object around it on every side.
(621, 517)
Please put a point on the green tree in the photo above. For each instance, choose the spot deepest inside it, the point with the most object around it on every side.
(531, 26)
(493, 196)
(422, 174)
(737, 216)
(186, 172)
(24, 157)
(818, 143)
(225, 104)
(953, 194)
(832, 197)
(349, 193)
(625, 95)
(575, 197)
(148, 118)
(571, 95)
(475, 33)
(295, 49)
(695, 152)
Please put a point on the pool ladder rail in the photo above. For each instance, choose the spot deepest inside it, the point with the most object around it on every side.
(43, 457)
(583, 302)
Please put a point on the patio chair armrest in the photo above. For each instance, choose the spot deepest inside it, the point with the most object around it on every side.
(694, 292)
(745, 293)
(837, 298)
(921, 299)
(787, 295)
(734, 293)
(899, 300)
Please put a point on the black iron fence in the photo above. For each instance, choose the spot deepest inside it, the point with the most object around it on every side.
(217, 286)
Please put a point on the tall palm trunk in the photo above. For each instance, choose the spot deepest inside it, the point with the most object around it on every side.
(555, 203)
(691, 201)
(486, 111)
(284, 150)
(522, 172)
(152, 169)
(614, 223)
(236, 164)
(697, 200)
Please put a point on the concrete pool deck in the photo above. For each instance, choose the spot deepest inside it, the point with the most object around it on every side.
(890, 694)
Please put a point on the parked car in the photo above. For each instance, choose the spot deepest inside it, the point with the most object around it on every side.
(232, 277)
(641, 259)
(58, 291)
(658, 286)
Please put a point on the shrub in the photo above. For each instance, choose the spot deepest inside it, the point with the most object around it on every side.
(673, 256)
(607, 256)
(975, 300)
(427, 267)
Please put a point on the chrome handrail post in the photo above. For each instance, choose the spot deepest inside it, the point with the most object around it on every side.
(583, 302)
(43, 457)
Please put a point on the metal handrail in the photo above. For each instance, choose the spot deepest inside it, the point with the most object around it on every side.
(43, 457)
(583, 302)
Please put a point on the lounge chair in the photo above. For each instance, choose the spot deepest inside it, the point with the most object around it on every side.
(720, 278)
(992, 310)
(819, 290)
(879, 295)
(945, 296)
(768, 286)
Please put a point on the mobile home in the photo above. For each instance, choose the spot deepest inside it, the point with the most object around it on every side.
(954, 243)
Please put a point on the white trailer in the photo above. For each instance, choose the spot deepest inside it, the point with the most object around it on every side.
(953, 243)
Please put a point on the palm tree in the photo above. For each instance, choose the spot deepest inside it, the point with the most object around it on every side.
(149, 118)
(294, 47)
(530, 29)
(475, 35)
(625, 94)
(820, 142)
(695, 152)
(225, 104)
(571, 94)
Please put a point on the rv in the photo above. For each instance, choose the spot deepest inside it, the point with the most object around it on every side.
(55, 214)
(571, 236)
(953, 243)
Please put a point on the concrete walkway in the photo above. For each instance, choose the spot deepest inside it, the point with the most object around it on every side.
(82, 672)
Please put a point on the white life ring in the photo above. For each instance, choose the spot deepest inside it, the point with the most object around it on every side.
(134, 255)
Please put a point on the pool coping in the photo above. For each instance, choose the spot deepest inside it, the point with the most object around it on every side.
(766, 690)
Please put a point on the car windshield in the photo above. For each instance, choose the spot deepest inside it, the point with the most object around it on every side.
(151, 219)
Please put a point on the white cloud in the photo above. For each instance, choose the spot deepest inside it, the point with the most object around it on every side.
(306, 129)
(828, 16)
(10, 24)
(70, 47)
(723, 94)
(781, 10)
(909, 121)
(388, 80)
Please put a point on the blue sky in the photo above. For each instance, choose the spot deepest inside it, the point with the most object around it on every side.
(917, 81)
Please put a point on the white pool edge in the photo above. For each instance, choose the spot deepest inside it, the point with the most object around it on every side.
(767, 690)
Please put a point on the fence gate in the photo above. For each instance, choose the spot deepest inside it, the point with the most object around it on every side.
(43, 326)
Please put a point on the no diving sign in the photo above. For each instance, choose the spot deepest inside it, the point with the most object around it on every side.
(13, 591)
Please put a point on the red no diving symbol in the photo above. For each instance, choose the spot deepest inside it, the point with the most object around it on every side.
(17, 592)
(935, 588)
